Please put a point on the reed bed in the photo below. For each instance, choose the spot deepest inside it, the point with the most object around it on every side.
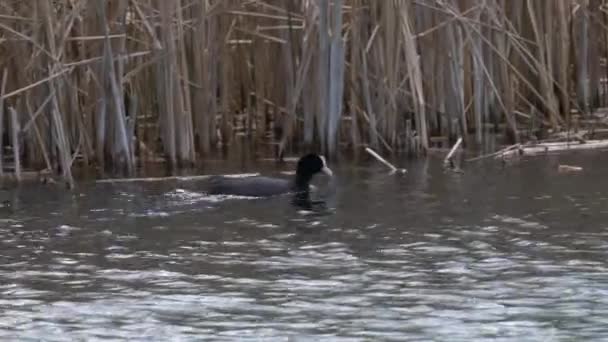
(116, 84)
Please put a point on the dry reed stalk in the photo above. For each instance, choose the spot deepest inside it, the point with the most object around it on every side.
(32, 123)
(35, 84)
(167, 81)
(15, 128)
(415, 75)
(302, 77)
(147, 25)
(558, 147)
(259, 56)
(456, 96)
(223, 79)
(132, 124)
(323, 71)
(183, 97)
(494, 154)
(371, 115)
(479, 84)
(62, 143)
(289, 72)
(505, 80)
(2, 91)
(394, 76)
(563, 62)
(201, 57)
(483, 51)
(336, 79)
(120, 145)
(353, 86)
(378, 135)
(543, 60)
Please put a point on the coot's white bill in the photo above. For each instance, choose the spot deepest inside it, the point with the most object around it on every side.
(326, 170)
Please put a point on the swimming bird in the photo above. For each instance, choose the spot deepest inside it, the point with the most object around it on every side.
(260, 186)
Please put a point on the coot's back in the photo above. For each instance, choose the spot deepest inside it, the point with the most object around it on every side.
(257, 186)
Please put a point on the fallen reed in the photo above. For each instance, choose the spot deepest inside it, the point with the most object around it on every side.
(116, 84)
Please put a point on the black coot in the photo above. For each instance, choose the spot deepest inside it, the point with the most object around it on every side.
(259, 186)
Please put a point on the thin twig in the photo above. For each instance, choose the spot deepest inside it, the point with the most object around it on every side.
(490, 155)
(35, 84)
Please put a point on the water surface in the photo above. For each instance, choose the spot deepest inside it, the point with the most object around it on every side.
(501, 254)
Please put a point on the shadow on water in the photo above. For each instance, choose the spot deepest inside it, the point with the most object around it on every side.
(515, 253)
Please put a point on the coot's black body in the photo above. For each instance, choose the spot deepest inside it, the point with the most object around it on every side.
(256, 186)
(260, 186)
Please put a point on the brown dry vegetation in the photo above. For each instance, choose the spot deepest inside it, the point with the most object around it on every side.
(114, 83)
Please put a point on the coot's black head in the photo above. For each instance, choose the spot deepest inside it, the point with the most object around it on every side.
(309, 165)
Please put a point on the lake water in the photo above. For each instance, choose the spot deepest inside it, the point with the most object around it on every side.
(499, 254)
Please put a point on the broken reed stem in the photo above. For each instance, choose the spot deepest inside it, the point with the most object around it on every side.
(448, 158)
(380, 159)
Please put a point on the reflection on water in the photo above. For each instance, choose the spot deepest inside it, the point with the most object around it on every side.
(495, 254)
